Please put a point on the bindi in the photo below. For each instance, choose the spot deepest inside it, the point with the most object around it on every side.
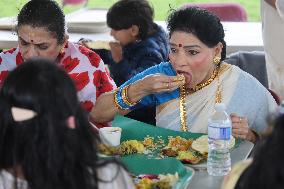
(179, 45)
(31, 36)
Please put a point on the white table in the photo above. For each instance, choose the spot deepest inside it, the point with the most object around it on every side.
(239, 36)
(244, 36)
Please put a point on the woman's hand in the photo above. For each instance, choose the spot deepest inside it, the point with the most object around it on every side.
(159, 83)
(84, 42)
(240, 128)
(151, 84)
(116, 51)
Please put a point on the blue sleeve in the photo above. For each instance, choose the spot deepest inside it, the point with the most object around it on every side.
(159, 98)
(146, 61)
(120, 71)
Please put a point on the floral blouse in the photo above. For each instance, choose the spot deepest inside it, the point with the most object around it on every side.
(84, 66)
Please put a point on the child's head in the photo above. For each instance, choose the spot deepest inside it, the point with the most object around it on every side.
(43, 128)
(133, 17)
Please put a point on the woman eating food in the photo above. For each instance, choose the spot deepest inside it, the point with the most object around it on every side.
(186, 88)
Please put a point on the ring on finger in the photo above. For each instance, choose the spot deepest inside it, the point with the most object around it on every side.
(240, 119)
(168, 86)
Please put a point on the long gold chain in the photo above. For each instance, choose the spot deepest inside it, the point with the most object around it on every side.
(218, 96)
(182, 109)
(183, 93)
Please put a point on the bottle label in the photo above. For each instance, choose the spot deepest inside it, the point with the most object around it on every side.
(219, 132)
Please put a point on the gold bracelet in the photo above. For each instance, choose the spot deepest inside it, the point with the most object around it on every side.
(116, 102)
(125, 98)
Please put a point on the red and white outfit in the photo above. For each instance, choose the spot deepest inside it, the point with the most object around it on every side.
(84, 66)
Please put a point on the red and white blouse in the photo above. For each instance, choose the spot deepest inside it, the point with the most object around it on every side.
(84, 66)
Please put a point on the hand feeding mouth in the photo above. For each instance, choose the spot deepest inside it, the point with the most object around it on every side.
(179, 77)
(187, 76)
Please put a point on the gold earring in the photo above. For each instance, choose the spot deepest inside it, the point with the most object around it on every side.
(216, 60)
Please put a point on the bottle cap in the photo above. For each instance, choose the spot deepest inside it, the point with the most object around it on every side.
(220, 106)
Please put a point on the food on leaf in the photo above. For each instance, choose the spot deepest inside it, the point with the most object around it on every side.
(131, 147)
(201, 144)
(190, 156)
(179, 144)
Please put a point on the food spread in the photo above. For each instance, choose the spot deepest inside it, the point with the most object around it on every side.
(178, 147)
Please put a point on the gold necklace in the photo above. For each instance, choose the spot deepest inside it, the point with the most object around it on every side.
(202, 85)
(183, 93)
(183, 125)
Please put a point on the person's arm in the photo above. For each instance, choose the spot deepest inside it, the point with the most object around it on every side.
(271, 3)
(105, 108)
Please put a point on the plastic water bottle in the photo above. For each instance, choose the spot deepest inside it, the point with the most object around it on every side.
(219, 135)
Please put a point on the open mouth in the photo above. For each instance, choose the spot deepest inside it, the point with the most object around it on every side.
(187, 76)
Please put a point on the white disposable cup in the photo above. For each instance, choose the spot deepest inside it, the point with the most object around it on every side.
(110, 135)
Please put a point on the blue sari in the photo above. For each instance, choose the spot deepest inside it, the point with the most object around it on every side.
(159, 98)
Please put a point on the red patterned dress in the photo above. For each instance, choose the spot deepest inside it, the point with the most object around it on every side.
(84, 66)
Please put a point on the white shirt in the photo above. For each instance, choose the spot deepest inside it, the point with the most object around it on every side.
(115, 176)
(273, 40)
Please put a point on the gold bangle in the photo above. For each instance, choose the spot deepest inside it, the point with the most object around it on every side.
(125, 98)
(116, 102)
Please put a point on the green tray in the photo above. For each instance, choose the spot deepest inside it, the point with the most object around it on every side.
(143, 164)
(137, 164)
(132, 129)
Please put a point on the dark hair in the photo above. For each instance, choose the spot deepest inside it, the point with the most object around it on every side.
(43, 13)
(125, 13)
(50, 154)
(205, 25)
(267, 168)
